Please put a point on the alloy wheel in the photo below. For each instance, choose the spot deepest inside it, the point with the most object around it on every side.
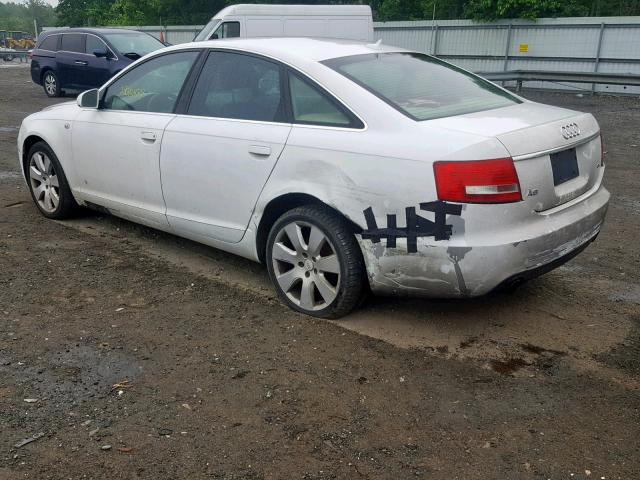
(306, 266)
(50, 84)
(44, 182)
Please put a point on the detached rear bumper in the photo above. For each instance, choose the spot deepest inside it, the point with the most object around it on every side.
(468, 265)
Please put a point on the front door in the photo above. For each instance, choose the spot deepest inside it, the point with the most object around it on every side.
(99, 67)
(116, 149)
(216, 158)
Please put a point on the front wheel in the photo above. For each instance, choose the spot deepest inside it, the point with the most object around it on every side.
(51, 84)
(48, 185)
(315, 263)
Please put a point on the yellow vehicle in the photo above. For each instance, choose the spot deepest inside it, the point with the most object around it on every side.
(20, 41)
(6, 54)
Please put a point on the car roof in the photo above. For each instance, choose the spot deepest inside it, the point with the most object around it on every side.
(292, 49)
(298, 10)
(91, 30)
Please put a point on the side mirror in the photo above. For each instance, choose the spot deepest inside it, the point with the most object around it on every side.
(101, 53)
(88, 99)
(214, 37)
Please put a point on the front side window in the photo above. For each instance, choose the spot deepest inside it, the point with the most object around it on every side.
(207, 30)
(227, 30)
(238, 86)
(153, 86)
(93, 44)
(73, 42)
(50, 43)
(312, 107)
(420, 86)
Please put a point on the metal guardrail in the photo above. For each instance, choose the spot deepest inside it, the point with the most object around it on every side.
(8, 54)
(520, 76)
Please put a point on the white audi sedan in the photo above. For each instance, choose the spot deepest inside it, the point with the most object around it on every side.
(342, 166)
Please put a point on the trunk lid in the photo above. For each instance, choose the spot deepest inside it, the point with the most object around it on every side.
(556, 151)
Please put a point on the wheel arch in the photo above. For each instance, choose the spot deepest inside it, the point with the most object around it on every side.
(29, 142)
(283, 203)
(44, 71)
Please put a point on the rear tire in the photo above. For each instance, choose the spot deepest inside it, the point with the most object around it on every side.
(51, 84)
(315, 263)
(48, 184)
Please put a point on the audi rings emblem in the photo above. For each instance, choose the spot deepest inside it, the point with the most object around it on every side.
(570, 131)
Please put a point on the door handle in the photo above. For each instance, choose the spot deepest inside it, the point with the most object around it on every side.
(148, 136)
(261, 150)
(81, 62)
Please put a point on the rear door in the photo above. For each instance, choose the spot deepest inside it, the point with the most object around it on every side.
(217, 156)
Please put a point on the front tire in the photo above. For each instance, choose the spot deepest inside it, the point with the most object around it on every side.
(51, 84)
(48, 184)
(315, 263)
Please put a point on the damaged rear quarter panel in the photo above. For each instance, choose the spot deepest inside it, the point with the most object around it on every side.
(386, 169)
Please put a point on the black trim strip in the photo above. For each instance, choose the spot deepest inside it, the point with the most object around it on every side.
(186, 92)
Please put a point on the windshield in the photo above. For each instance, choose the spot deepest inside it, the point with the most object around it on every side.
(134, 42)
(420, 86)
(206, 32)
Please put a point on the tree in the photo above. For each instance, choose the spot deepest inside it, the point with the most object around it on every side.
(487, 10)
(80, 13)
(195, 12)
(20, 16)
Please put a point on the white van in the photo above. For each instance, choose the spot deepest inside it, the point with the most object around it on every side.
(351, 22)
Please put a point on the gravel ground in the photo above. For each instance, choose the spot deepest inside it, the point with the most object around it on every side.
(146, 356)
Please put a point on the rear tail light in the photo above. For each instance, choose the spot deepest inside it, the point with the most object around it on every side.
(601, 151)
(478, 181)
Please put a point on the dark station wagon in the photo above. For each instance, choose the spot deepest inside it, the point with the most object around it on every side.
(85, 58)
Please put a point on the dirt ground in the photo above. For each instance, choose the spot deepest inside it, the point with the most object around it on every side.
(218, 380)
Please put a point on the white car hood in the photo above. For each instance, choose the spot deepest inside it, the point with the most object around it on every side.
(58, 106)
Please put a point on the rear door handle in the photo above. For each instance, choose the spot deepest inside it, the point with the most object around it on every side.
(148, 136)
(262, 150)
(81, 62)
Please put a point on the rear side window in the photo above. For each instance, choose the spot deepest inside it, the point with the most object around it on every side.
(238, 86)
(421, 87)
(152, 86)
(311, 106)
(50, 43)
(72, 42)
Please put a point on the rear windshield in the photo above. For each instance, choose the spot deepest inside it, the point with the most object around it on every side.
(420, 86)
(134, 42)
